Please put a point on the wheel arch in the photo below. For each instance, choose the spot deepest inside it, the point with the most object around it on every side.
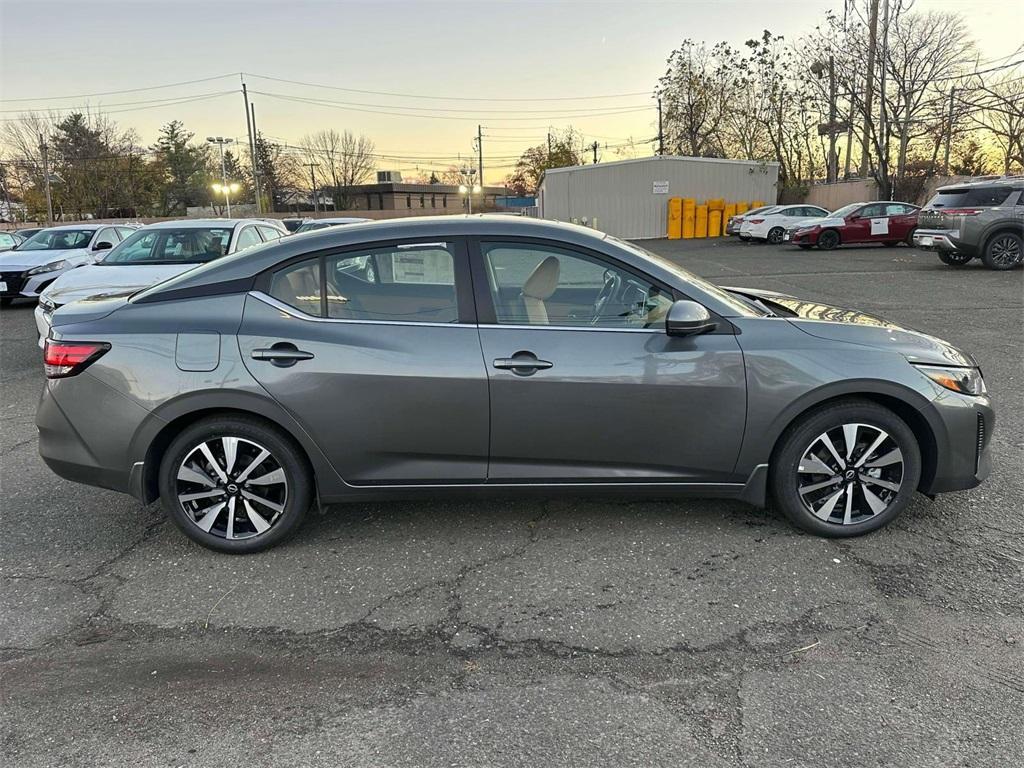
(833, 230)
(1002, 228)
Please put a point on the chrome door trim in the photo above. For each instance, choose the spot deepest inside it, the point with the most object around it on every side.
(293, 312)
(570, 328)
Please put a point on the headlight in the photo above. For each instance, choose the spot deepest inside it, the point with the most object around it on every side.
(966, 381)
(47, 304)
(53, 266)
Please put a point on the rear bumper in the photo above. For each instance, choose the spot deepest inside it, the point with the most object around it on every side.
(942, 240)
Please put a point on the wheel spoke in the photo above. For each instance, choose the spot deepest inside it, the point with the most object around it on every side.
(258, 521)
(230, 445)
(190, 475)
(876, 504)
(879, 482)
(882, 436)
(813, 465)
(207, 521)
(848, 513)
(205, 450)
(252, 465)
(850, 437)
(186, 497)
(230, 533)
(271, 478)
(818, 486)
(825, 510)
(265, 502)
(891, 457)
(832, 449)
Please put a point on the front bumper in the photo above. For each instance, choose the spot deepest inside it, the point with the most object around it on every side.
(22, 285)
(796, 237)
(963, 437)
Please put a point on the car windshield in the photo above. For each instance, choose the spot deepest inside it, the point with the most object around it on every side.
(845, 211)
(187, 245)
(58, 240)
(310, 226)
(968, 197)
(740, 306)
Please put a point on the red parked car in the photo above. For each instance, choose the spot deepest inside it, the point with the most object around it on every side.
(878, 222)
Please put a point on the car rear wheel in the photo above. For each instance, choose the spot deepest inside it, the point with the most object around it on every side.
(805, 246)
(775, 235)
(235, 484)
(845, 469)
(1004, 250)
(828, 240)
(953, 258)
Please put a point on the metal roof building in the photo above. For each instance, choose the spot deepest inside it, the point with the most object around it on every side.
(629, 198)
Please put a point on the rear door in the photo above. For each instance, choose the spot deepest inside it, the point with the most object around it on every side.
(586, 386)
(381, 366)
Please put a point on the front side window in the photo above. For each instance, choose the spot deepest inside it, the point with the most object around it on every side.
(873, 212)
(190, 245)
(58, 240)
(399, 283)
(543, 285)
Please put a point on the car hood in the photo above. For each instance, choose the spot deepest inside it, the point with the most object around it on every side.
(17, 260)
(852, 326)
(110, 279)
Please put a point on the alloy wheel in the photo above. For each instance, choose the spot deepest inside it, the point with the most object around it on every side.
(1005, 251)
(775, 235)
(850, 473)
(232, 487)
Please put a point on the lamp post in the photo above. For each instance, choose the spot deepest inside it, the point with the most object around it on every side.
(223, 186)
(469, 189)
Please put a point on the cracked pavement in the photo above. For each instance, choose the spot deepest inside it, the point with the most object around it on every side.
(517, 632)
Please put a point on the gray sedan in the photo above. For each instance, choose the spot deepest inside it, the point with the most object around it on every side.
(495, 355)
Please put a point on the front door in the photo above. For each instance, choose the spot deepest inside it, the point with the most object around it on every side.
(586, 386)
(375, 353)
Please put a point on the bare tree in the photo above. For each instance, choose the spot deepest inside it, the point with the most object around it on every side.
(344, 158)
(1000, 111)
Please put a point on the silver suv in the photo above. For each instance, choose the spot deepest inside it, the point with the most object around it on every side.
(976, 219)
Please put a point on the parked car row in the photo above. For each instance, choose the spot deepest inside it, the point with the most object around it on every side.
(810, 226)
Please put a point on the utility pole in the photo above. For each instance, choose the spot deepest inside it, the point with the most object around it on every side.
(949, 131)
(594, 147)
(312, 174)
(257, 172)
(869, 88)
(661, 136)
(849, 126)
(480, 153)
(220, 141)
(549, 145)
(46, 176)
(252, 149)
(833, 163)
(883, 138)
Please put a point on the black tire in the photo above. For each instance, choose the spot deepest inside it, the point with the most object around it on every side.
(803, 435)
(954, 259)
(804, 246)
(284, 454)
(775, 235)
(1004, 250)
(909, 239)
(891, 243)
(6, 301)
(828, 240)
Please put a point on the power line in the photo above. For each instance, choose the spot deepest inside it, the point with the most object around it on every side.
(187, 100)
(125, 90)
(22, 110)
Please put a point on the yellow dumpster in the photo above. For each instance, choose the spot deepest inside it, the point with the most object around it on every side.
(675, 218)
(715, 204)
(689, 217)
(742, 207)
(715, 223)
(757, 204)
(700, 228)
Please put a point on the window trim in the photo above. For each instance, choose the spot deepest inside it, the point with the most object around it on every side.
(487, 316)
(465, 305)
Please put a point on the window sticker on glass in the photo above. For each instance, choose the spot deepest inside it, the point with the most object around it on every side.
(423, 266)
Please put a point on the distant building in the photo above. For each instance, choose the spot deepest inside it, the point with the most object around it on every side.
(629, 198)
(415, 199)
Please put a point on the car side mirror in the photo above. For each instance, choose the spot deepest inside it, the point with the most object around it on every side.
(103, 245)
(688, 318)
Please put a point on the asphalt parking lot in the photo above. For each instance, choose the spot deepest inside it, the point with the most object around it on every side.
(511, 632)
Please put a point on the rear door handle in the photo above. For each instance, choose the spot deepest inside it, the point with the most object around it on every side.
(522, 363)
(282, 354)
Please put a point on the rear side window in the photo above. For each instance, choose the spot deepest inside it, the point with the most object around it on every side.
(299, 286)
(970, 197)
(269, 233)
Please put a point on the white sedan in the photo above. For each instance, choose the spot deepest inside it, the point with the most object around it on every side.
(772, 224)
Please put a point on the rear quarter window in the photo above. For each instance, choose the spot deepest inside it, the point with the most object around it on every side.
(970, 197)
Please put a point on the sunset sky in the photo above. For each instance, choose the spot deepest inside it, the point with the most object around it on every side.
(482, 52)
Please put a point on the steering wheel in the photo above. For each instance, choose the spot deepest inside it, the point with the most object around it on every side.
(612, 283)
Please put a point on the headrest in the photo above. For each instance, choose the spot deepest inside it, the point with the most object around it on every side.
(543, 281)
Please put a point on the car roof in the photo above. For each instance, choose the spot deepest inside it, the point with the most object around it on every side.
(77, 227)
(200, 223)
(337, 220)
(247, 263)
(1015, 182)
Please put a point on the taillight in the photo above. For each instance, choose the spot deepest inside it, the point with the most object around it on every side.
(755, 221)
(67, 358)
(962, 211)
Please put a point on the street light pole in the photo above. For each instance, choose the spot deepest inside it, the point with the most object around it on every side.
(469, 189)
(221, 141)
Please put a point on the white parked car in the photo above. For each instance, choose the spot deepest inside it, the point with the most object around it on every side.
(734, 223)
(151, 255)
(771, 225)
(27, 269)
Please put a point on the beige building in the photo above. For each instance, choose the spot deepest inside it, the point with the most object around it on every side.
(418, 199)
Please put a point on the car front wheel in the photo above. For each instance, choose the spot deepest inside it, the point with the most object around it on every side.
(828, 240)
(845, 469)
(1004, 251)
(235, 484)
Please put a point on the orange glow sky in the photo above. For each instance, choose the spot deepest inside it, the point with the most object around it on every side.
(482, 49)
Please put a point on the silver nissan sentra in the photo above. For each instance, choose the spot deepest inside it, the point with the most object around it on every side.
(494, 354)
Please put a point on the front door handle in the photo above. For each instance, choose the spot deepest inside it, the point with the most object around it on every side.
(522, 363)
(282, 354)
